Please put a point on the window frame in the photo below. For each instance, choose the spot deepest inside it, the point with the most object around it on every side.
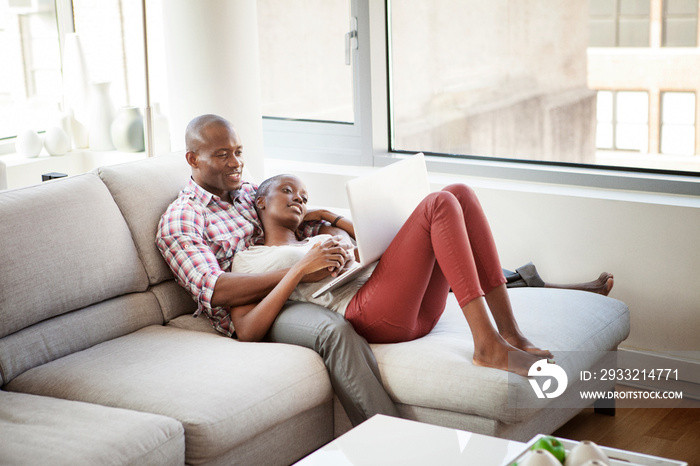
(616, 120)
(327, 141)
(64, 25)
(369, 139)
(533, 171)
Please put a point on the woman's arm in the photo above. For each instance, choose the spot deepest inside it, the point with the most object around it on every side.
(336, 221)
(252, 322)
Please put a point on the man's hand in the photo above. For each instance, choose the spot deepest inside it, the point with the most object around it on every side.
(314, 215)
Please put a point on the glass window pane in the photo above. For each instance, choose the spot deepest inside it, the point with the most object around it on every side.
(604, 136)
(634, 32)
(111, 35)
(602, 32)
(510, 79)
(302, 59)
(678, 108)
(604, 106)
(634, 7)
(680, 32)
(467, 78)
(99, 25)
(30, 82)
(681, 7)
(632, 136)
(677, 140)
(602, 7)
(632, 107)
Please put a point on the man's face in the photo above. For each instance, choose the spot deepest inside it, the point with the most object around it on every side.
(218, 164)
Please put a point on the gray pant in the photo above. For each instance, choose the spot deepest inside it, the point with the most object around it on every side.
(350, 362)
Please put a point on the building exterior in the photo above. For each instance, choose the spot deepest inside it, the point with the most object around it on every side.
(644, 60)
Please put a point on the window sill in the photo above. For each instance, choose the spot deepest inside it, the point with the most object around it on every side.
(17, 171)
(572, 177)
(582, 183)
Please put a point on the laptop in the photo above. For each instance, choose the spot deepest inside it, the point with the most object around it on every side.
(380, 203)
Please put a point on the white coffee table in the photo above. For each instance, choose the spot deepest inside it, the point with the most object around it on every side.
(384, 440)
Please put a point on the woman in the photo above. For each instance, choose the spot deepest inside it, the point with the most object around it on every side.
(446, 243)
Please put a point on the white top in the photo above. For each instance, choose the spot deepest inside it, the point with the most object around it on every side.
(257, 259)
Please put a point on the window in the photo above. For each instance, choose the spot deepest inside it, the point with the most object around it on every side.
(111, 33)
(622, 120)
(520, 81)
(305, 68)
(32, 40)
(619, 23)
(478, 79)
(310, 79)
(680, 23)
(678, 123)
(30, 83)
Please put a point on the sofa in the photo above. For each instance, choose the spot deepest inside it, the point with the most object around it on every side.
(102, 362)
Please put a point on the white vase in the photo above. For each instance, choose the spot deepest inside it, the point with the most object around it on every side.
(28, 143)
(127, 130)
(101, 117)
(79, 134)
(76, 85)
(56, 141)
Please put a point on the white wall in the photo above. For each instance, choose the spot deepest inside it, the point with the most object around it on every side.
(649, 242)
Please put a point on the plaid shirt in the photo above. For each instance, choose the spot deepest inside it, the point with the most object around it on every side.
(198, 236)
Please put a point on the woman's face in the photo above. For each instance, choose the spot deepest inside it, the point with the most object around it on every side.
(285, 202)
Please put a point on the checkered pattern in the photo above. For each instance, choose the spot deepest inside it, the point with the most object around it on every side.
(198, 236)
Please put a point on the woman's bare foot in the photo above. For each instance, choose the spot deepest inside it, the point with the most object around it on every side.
(507, 358)
(602, 285)
(523, 344)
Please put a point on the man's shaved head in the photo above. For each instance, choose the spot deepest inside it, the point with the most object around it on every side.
(195, 133)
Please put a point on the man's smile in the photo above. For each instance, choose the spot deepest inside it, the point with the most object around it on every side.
(235, 176)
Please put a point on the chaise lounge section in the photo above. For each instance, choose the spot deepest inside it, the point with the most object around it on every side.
(94, 328)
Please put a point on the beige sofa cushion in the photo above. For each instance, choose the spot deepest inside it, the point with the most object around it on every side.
(76, 331)
(64, 246)
(41, 431)
(436, 371)
(225, 393)
(143, 190)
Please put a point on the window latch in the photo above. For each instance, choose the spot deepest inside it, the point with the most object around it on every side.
(351, 40)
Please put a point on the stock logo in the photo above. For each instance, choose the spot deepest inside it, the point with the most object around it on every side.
(542, 369)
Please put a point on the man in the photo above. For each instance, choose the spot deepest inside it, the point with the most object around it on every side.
(211, 220)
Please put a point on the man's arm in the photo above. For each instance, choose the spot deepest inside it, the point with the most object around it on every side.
(337, 224)
(237, 289)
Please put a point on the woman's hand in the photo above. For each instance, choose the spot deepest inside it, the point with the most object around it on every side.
(324, 259)
(327, 255)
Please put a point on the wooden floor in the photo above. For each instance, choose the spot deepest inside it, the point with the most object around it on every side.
(671, 432)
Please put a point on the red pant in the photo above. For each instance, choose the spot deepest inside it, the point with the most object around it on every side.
(446, 242)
